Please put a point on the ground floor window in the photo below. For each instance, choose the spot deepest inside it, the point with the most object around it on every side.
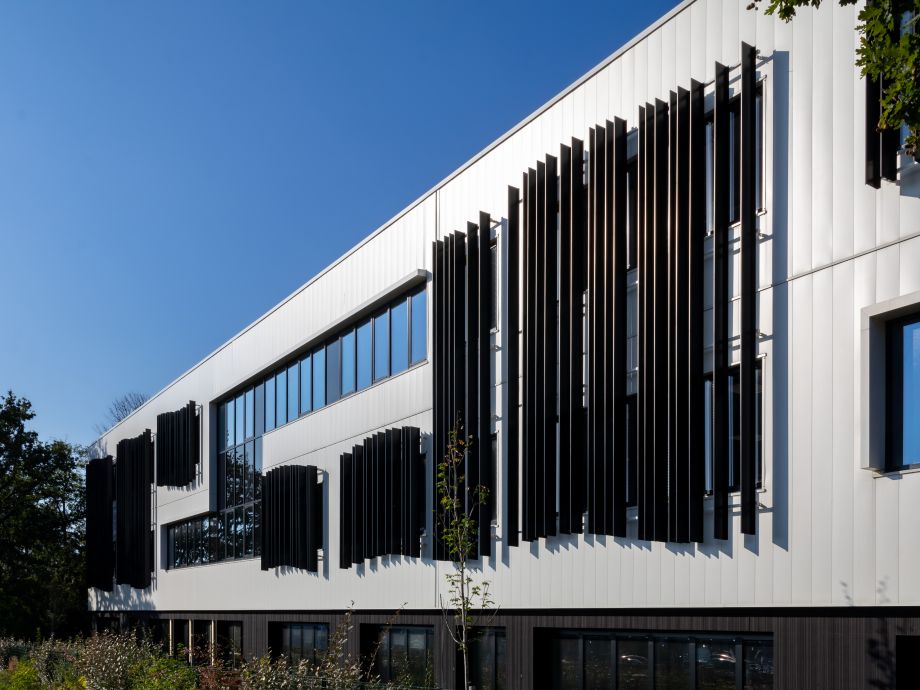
(228, 642)
(298, 642)
(400, 654)
(487, 660)
(589, 660)
(181, 637)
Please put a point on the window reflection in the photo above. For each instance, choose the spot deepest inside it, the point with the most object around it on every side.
(364, 355)
(348, 363)
(306, 385)
(333, 366)
(381, 346)
(319, 379)
(419, 326)
(399, 337)
(293, 401)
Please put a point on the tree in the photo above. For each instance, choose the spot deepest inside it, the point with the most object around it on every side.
(457, 528)
(120, 408)
(889, 49)
(42, 582)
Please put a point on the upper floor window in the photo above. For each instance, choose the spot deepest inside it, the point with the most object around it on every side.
(903, 391)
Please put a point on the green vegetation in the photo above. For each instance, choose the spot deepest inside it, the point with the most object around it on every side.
(889, 48)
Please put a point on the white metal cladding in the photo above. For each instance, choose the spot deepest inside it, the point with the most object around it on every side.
(829, 533)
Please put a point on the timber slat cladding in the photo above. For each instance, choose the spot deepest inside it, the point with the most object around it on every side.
(133, 532)
(178, 446)
(382, 477)
(292, 523)
(462, 378)
(100, 550)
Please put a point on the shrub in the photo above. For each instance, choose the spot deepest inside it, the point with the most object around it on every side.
(22, 677)
(162, 673)
(106, 660)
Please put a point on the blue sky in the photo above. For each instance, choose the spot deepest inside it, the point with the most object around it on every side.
(171, 170)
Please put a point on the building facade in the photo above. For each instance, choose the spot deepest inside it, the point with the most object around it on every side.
(675, 316)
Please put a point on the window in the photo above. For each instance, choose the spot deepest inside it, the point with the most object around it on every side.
(281, 397)
(260, 410)
(298, 642)
(903, 392)
(399, 338)
(348, 363)
(240, 422)
(365, 359)
(228, 638)
(319, 378)
(333, 367)
(201, 642)
(293, 382)
(181, 637)
(604, 659)
(249, 399)
(734, 428)
(419, 327)
(269, 403)
(404, 654)
(306, 385)
(381, 346)
(488, 665)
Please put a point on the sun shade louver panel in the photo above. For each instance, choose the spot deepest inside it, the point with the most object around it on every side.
(178, 445)
(382, 477)
(100, 549)
(513, 340)
(486, 473)
(292, 518)
(133, 532)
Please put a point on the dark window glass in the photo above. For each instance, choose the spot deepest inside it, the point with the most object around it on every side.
(240, 419)
(903, 392)
(715, 664)
(487, 660)
(734, 427)
(381, 346)
(494, 298)
(758, 665)
(257, 468)
(229, 535)
(632, 665)
(319, 378)
(181, 637)
(249, 466)
(260, 409)
(270, 403)
(672, 664)
(348, 363)
(247, 531)
(306, 385)
(567, 663)
(405, 655)
(299, 641)
(419, 326)
(222, 426)
(238, 520)
(257, 528)
(250, 413)
(399, 339)
(598, 663)
(228, 636)
(293, 402)
(281, 397)
(333, 371)
(364, 355)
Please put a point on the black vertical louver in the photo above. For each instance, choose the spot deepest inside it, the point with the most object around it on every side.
(384, 477)
(133, 534)
(100, 548)
(512, 344)
(292, 517)
(178, 446)
(721, 184)
(486, 473)
(748, 198)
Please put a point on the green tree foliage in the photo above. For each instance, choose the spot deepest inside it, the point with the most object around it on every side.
(42, 581)
(889, 48)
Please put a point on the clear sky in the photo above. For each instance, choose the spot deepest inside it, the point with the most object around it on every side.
(171, 170)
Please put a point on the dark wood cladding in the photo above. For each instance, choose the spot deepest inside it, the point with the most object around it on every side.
(292, 517)
(512, 423)
(100, 548)
(133, 530)
(572, 284)
(748, 198)
(382, 499)
(178, 446)
(849, 648)
(696, 208)
(462, 289)
(720, 303)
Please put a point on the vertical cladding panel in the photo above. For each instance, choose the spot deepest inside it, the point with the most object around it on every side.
(438, 360)
(529, 531)
(696, 233)
(748, 195)
(512, 425)
(417, 478)
(645, 433)
(484, 363)
(673, 276)
(611, 414)
(100, 552)
(659, 312)
(599, 342)
(539, 335)
(593, 419)
(720, 304)
(471, 418)
(550, 353)
(346, 510)
(578, 286)
(618, 325)
(567, 460)
(133, 478)
(459, 340)
(359, 508)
